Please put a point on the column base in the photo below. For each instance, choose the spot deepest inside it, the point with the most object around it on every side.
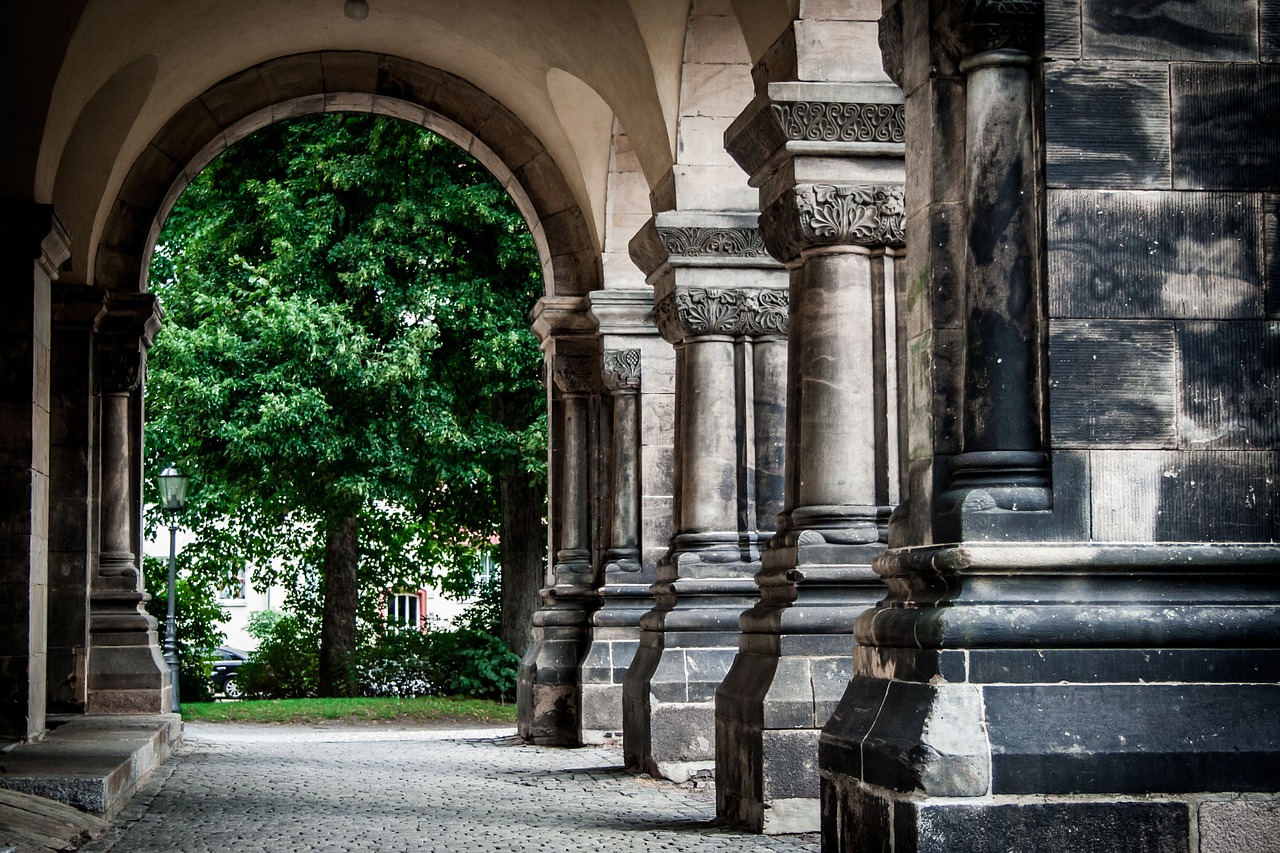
(865, 818)
(547, 688)
(126, 672)
(615, 636)
(794, 661)
(687, 644)
(1100, 690)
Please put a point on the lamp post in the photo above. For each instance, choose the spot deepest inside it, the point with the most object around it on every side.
(173, 497)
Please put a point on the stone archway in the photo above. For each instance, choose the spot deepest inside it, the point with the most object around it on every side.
(348, 81)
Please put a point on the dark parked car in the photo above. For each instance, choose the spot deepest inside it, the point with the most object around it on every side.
(226, 661)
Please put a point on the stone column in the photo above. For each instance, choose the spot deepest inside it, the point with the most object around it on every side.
(839, 238)
(33, 243)
(127, 674)
(1002, 456)
(73, 491)
(1064, 648)
(721, 302)
(548, 689)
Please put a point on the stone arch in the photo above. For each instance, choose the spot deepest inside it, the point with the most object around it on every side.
(348, 81)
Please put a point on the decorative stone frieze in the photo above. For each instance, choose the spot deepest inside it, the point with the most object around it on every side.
(715, 311)
(621, 370)
(698, 239)
(792, 119)
(823, 121)
(713, 242)
(812, 215)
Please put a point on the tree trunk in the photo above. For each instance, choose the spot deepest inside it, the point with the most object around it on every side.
(522, 550)
(338, 628)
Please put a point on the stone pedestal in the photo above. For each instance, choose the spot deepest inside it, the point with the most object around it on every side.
(32, 245)
(127, 674)
(548, 691)
(841, 239)
(721, 303)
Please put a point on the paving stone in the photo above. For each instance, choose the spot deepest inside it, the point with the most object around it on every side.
(394, 788)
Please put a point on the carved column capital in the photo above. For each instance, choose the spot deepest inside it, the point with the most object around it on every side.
(119, 369)
(814, 215)
(574, 374)
(620, 370)
(968, 27)
(696, 311)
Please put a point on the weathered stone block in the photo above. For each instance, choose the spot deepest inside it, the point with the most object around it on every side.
(1062, 26)
(1271, 228)
(1154, 254)
(1112, 383)
(1239, 826)
(1160, 30)
(292, 76)
(349, 71)
(1231, 385)
(1135, 738)
(1269, 30)
(790, 763)
(1107, 126)
(1099, 827)
(713, 89)
(237, 96)
(1224, 120)
(1218, 496)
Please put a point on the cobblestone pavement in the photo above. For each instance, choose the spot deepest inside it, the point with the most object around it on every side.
(250, 788)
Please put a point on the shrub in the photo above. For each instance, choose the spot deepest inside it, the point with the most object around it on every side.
(286, 663)
(438, 663)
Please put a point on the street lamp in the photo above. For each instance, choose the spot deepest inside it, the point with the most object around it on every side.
(173, 497)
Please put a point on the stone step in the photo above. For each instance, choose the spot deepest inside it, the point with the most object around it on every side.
(94, 763)
(28, 822)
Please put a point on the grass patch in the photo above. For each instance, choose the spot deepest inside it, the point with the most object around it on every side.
(423, 709)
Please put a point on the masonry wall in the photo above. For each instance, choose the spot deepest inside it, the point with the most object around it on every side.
(1162, 150)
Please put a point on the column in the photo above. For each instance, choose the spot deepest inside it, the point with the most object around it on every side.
(1002, 459)
(33, 243)
(127, 674)
(839, 239)
(548, 687)
(721, 302)
(72, 494)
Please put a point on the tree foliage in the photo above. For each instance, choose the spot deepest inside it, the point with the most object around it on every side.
(346, 337)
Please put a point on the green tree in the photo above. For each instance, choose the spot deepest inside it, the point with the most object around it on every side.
(346, 367)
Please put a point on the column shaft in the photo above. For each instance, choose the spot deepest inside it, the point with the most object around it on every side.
(708, 487)
(1001, 409)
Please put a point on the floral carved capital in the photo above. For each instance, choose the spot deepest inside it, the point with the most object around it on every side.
(620, 370)
(813, 215)
(699, 311)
